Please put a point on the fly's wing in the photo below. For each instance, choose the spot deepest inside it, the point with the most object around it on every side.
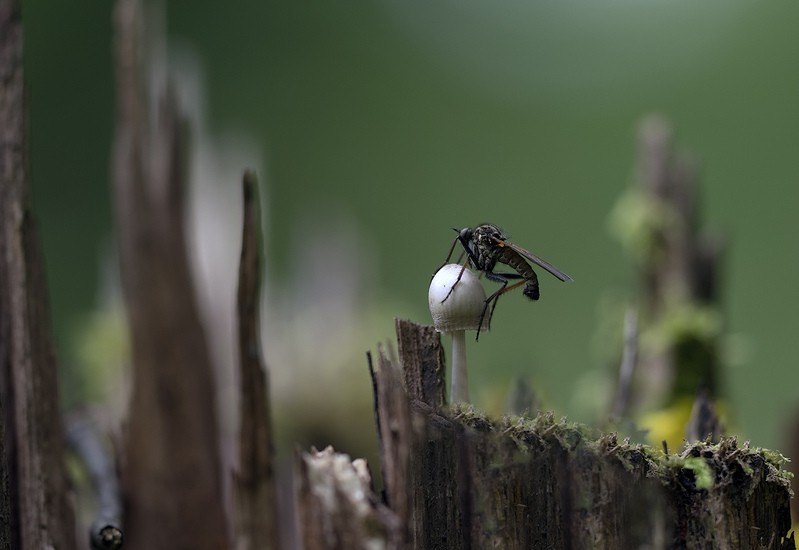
(536, 260)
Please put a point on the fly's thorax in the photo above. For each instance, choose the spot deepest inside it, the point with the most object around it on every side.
(486, 235)
(485, 247)
(487, 260)
(490, 230)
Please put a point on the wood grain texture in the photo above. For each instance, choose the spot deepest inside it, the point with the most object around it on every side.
(256, 508)
(422, 360)
(34, 509)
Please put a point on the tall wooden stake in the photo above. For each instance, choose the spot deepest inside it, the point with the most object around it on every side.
(34, 510)
(171, 476)
(256, 523)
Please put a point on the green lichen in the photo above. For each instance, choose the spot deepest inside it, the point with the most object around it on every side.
(703, 474)
(639, 222)
(775, 458)
(545, 427)
(725, 465)
(700, 466)
(776, 473)
(472, 417)
(632, 456)
(680, 322)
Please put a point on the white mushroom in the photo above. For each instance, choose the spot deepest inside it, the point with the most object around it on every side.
(454, 313)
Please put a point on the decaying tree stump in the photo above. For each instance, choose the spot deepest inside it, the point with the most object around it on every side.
(457, 479)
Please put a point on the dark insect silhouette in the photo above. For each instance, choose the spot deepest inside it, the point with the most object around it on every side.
(485, 246)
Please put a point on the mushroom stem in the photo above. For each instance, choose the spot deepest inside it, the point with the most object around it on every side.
(456, 299)
(460, 378)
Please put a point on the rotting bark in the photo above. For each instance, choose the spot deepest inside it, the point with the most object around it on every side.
(461, 480)
(395, 442)
(256, 523)
(422, 358)
(171, 476)
(34, 510)
(337, 505)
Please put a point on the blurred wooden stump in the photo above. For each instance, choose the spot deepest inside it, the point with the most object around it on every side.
(171, 471)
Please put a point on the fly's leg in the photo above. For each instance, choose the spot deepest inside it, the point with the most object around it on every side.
(449, 255)
(496, 296)
(482, 316)
(471, 257)
(504, 279)
(463, 268)
(451, 250)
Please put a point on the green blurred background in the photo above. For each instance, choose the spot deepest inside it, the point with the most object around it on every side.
(409, 118)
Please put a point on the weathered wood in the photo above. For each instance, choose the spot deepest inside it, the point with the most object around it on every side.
(171, 476)
(254, 484)
(337, 505)
(393, 418)
(34, 509)
(520, 482)
(413, 445)
(747, 505)
(422, 359)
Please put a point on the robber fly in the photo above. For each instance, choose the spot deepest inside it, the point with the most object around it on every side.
(485, 246)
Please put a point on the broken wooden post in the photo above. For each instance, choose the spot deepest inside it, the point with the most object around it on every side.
(677, 265)
(35, 512)
(337, 505)
(458, 479)
(171, 475)
(254, 484)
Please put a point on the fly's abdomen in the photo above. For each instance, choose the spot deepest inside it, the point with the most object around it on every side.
(531, 288)
(515, 260)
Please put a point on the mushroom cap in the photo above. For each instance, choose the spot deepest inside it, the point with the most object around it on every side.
(462, 309)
